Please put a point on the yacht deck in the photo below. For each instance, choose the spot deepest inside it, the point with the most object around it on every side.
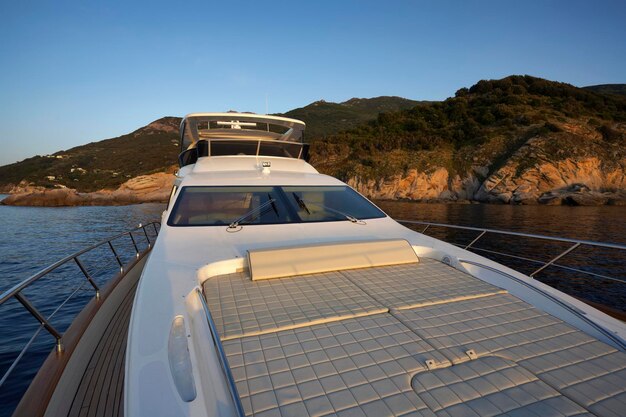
(101, 388)
(420, 339)
(100, 392)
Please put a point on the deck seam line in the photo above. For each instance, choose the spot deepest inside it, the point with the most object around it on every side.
(390, 311)
(448, 300)
(308, 324)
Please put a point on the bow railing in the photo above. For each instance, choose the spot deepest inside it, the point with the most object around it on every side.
(117, 253)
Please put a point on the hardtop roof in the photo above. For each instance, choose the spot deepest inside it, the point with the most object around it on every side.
(237, 127)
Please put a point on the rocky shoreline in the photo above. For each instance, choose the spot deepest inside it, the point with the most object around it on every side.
(154, 188)
(416, 187)
(580, 182)
(584, 181)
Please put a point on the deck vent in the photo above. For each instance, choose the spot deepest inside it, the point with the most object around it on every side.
(471, 354)
(431, 364)
(180, 361)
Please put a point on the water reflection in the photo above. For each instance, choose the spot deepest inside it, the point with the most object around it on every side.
(603, 224)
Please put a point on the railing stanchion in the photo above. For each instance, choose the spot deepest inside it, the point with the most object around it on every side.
(147, 238)
(574, 246)
(88, 276)
(475, 240)
(119, 261)
(46, 324)
(132, 238)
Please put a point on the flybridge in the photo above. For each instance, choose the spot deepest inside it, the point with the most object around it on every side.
(221, 134)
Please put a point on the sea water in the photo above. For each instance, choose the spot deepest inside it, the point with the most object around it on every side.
(32, 238)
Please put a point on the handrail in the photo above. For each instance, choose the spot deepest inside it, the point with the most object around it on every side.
(21, 285)
(15, 292)
(509, 233)
(576, 243)
(232, 386)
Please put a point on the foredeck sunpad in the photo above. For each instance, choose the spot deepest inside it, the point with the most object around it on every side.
(355, 367)
(311, 259)
(575, 364)
(430, 282)
(241, 307)
(491, 386)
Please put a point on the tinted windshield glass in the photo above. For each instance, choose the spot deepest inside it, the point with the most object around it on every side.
(213, 206)
(320, 204)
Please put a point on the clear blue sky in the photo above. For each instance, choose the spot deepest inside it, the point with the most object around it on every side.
(76, 72)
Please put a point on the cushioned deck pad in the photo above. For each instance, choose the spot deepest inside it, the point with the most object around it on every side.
(589, 372)
(413, 285)
(313, 259)
(241, 307)
(354, 367)
(323, 344)
(491, 386)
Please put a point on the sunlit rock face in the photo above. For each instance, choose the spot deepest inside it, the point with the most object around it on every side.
(143, 189)
(586, 181)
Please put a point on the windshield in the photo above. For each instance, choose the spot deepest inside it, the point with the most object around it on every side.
(214, 206)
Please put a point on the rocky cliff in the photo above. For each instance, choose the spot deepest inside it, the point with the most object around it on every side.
(574, 167)
(154, 188)
(519, 140)
(567, 182)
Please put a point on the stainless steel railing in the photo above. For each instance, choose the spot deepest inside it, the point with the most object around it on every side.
(16, 292)
(575, 244)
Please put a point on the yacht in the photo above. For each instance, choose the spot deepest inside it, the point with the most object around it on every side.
(274, 290)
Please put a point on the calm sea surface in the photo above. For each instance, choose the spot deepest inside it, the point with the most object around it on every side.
(32, 238)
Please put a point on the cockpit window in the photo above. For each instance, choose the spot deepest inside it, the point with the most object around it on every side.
(211, 206)
(214, 206)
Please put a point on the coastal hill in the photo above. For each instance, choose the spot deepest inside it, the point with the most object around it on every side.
(325, 118)
(520, 139)
(105, 164)
(619, 89)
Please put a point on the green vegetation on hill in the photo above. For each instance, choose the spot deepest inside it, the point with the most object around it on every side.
(484, 124)
(619, 89)
(102, 165)
(482, 127)
(324, 118)
(109, 163)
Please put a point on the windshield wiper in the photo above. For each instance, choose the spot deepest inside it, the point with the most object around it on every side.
(301, 203)
(273, 205)
(341, 213)
(303, 206)
(256, 210)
